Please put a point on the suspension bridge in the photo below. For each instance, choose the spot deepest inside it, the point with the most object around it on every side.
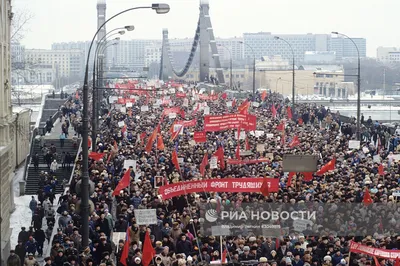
(204, 37)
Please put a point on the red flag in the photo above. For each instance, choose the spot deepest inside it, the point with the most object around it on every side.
(300, 121)
(327, 167)
(96, 156)
(142, 137)
(397, 263)
(380, 170)
(273, 111)
(244, 107)
(77, 95)
(238, 151)
(295, 142)
(123, 183)
(289, 112)
(176, 133)
(220, 154)
(281, 126)
(171, 130)
(89, 142)
(175, 160)
(289, 181)
(247, 144)
(125, 251)
(308, 176)
(224, 95)
(203, 164)
(263, 95)
(152, 138)
(160, 143)
(148, 250)
(115, 145)
(265, 188)
(367, 200)
(223, 257)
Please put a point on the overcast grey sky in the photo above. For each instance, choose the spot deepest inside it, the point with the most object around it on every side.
(75, 20)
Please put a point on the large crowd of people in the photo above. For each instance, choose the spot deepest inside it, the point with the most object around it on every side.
(177, 237)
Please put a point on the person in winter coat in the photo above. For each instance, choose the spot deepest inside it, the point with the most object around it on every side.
(23, 236)
(60, 258)
(13, 259)
(48, 262)
(40, 237)
(46, 206)
(53, 166)
(31, 245)
(64, 219)
(20, 251)
(184, 246)
(50, 216)
(33, 205)
(121, 225)
(30, 260)
(37, 221)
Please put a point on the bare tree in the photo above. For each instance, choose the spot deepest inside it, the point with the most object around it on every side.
(20, 24)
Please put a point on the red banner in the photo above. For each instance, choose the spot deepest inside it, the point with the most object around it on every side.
(171, 110)
(378, 252)
(208, 97)
(223, 122)
(180, 95)
(247, 184)
(187, 123)
(126, 100)
(199, 136)
(255, 161)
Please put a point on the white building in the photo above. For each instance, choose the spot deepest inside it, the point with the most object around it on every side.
(273, 63)
(388, 54)
(264, 44)
(6, 130)
(64, 63)
(152, 55)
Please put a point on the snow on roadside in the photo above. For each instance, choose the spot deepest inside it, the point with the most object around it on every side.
(22, 216)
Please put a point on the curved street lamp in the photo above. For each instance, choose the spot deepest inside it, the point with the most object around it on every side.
(254, 67)
(293, 70)
(160, 9)
(358, 82)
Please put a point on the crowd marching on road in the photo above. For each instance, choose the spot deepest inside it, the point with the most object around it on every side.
(150, 132)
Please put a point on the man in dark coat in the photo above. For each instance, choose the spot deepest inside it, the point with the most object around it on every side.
(20, 251)
(23, 236)
(40, 237)
(13, 259)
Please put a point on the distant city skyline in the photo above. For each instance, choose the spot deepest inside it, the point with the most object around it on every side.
(67, 23)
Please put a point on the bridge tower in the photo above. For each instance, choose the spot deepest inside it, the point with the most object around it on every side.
(205, 36)
(165, 64)
(101, 18)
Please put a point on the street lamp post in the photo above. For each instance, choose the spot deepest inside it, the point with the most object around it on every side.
(358, 83)
(160, 9)
(293, 70)
(230, 57)
(254, 67)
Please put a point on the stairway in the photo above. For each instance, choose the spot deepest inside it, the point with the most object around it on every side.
(50, 108)
(31, 186)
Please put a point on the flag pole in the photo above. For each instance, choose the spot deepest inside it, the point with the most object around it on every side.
(220, 241)
(348, 263)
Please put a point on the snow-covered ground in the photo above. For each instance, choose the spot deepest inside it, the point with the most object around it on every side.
(22, 215)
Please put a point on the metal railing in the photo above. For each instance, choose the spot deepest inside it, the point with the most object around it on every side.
(49, 246)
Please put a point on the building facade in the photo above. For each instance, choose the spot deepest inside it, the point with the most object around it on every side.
(345, 48)
(6, 120)
(307, 81)
(264, 44)
(63, 63)
(388, 54)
